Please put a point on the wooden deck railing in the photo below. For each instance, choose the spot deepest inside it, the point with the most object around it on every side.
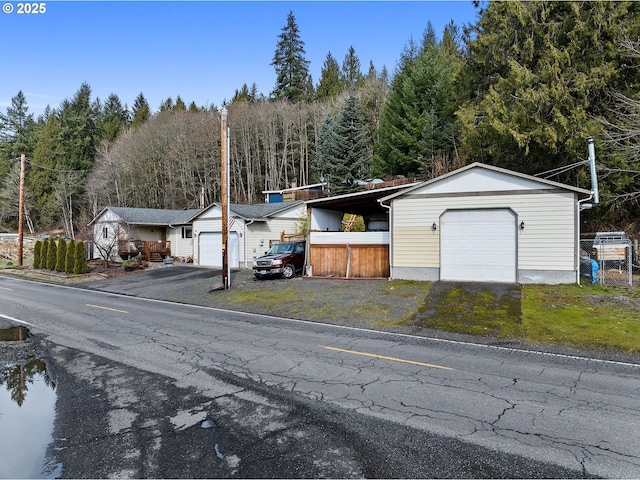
(151, 250)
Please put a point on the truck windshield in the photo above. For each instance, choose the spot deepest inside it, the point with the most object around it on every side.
(280, 248)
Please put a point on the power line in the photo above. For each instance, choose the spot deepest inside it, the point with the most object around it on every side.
(57, 170)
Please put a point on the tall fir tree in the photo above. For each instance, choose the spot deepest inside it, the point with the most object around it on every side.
(179, 106)
(351, 69)
(331, 83)
(418, 122)
(290, 64)
(42, 175)
(18, 133)
(141, 111)
(345, 152)
(113, 119)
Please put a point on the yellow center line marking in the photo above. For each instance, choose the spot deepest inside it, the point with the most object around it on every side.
(8, 289)
(107, 308)
(384, 357)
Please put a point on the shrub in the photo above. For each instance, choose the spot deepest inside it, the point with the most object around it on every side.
(61, 255)
(52, 255)
(44, 251)
(37, 249)
(70, 257)
(80, 264)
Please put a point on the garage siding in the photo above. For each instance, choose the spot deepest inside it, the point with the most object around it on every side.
(268, 232)
(546, 243)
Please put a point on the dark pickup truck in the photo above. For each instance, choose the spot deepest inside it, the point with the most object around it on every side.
(282, 259)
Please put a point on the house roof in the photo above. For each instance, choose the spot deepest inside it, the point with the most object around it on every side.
(478, 165)
(363, 203)
(151, 216)
(255, 212)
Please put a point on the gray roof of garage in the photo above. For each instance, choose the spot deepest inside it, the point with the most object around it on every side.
(260, 211)
(153, 216)
(255, 212)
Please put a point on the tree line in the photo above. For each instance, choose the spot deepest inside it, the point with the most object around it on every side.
(522, 88)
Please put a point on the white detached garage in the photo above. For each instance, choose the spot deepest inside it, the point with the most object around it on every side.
(487, 224)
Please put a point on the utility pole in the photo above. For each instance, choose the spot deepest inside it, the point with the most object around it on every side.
(21, 212)
(225, 199)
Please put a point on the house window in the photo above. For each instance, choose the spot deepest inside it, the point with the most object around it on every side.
(187, 232)
(105, 232)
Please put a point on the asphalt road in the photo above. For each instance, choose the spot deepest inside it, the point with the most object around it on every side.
(287, 398)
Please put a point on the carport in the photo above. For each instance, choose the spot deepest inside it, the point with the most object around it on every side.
(334, 253)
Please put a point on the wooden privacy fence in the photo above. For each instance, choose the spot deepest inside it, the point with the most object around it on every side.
(349, 261)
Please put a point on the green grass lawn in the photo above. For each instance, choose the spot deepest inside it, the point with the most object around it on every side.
(588, 317)
(595, 317)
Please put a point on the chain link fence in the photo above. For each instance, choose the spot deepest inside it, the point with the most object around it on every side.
(606, 259)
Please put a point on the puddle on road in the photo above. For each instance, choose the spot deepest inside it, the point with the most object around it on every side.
(27, 413)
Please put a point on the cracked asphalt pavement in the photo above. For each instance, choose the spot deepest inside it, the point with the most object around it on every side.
(148, 388)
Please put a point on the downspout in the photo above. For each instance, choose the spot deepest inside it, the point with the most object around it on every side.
(388, 207)
(246, 224)
(582, 205)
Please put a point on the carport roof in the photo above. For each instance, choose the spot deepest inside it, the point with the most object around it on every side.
(360, 203)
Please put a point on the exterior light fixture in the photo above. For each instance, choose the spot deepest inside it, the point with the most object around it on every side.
(521, 226)
(434, 226)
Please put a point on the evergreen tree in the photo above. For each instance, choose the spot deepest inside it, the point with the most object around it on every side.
(345, 151)
(41, 178)
(44, 253)
(80, 264)
(179, 106)
(331, 83)
(70, 258)
(325, 151)
(141, 111)
(418, 122)
(351, 69)
(78, 121)
(292, 68)
(542, 72)
(61, 255)
(52, 252)
(114, 118)
(167, 105)
(37, 250)
(18, 133)
(242, 95)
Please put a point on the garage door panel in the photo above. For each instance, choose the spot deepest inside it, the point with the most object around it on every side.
(211, 249)
(478, 245)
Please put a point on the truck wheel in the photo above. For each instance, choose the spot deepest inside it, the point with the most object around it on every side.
(288, 271)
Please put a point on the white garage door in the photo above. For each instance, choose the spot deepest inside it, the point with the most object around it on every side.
(478, 245)
(211, 249)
